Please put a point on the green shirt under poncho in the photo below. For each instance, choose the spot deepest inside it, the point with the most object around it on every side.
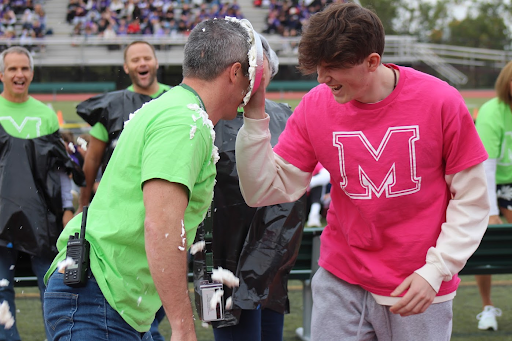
(27, 120)
(166, 139)
(99, 131)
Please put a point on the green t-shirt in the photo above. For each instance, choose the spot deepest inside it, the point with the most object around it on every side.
(27, 120)
(166, 139)
(494, 125)
(100, 132)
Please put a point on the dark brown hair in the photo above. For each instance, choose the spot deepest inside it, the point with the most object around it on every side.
(502, 85)
(341, 36)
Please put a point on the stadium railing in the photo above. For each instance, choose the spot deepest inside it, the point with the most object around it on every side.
(70, 87)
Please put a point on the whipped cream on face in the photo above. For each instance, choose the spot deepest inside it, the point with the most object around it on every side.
(252, 54)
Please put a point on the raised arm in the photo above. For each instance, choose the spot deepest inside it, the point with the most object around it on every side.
(265, 177)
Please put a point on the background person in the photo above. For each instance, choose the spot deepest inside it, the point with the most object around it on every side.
(409, 200)
(494, 125)
(260, 245)
(319, 187)
(153, 194)
(35, 190)
(106, 113)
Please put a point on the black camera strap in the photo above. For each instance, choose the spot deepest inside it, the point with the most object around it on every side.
(208, 239)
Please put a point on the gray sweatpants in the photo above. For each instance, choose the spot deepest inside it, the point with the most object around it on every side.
(342, 311)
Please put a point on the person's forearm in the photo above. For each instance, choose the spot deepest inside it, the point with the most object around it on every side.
(265, 178)
(490, 173)
(166, 246)
(92, 163)
(85, 192)
(66, 217)
(168, 266)
(467, 217)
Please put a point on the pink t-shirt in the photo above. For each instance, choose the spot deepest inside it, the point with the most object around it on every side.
(387, 162)
(317, 169)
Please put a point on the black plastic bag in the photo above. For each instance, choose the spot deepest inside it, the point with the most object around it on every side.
(111, 109)
(30, 192)
(259, 245)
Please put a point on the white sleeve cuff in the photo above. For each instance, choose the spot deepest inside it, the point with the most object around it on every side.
(65, 189)
(255, 128)
(432, 275)
(490, 174)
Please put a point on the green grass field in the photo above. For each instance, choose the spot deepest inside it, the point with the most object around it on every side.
(465, 307)
(71, 118)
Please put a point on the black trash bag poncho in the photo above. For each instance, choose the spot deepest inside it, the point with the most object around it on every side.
(30, 192)
(111, 109)
(259, 245)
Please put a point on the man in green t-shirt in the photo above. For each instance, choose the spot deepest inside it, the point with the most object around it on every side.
(35, 192)
(153, 195)
(106, 112)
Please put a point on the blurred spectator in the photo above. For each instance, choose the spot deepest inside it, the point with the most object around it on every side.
(40, 15)
(26, 19)
(37, 28)
(110, 34)
(318, 188)
(9, 18)
(26, 39)
(134, 27)
(77, 30)
(158, 18)
(19, 6)
(21, 19)
(122, 28)
(102, 26)
(4, 6)
(127, 10)
(287, 17)
(72, 6)
(116, 6)
(9, 33)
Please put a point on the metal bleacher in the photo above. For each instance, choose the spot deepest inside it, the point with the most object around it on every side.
(403, 50)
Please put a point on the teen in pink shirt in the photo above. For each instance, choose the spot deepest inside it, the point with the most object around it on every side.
(409, 200)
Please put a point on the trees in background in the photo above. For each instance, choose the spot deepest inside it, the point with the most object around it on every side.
(471, 23)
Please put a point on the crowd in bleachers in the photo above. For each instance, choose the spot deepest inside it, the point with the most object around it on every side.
(287, 17)
(111, 18)
(24, 20)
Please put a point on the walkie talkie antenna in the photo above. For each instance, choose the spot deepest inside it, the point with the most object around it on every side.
(84, 220)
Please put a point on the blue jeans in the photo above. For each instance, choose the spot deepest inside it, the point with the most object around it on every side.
(254, 325)
(8, 257)
(155, 333)
(77, 314)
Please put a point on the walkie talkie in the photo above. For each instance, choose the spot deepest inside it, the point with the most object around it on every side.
(75, 275)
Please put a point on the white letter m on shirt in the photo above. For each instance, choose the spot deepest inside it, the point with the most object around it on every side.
(389, 169)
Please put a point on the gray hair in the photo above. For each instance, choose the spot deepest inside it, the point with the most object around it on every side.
(273, 61)
(212, 46)
(19, 50)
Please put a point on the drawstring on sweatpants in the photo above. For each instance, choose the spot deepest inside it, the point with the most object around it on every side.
(362, 314)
